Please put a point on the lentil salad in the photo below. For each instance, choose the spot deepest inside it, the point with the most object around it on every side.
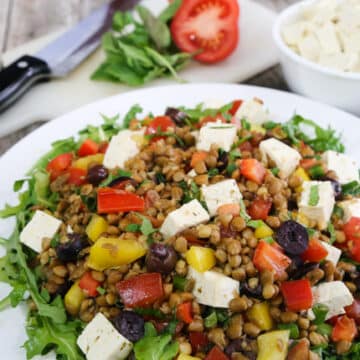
(257, 243)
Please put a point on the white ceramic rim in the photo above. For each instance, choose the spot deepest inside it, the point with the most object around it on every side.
(281, 19)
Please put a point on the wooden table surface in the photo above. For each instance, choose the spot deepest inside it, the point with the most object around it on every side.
(24, 20)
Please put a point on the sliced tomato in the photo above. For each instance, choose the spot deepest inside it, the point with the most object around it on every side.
(88, 147)
(235, 106)
(159, 124)
(344, 329)
(216, 354)
(198, 340)
(59, 165)
(353, 311)
(267, 257)
(89, 284)
(253, 170)
(77, 176)
(297, 294)
(184, 312)
(208, 26)
(352, 229)
(315, 251)
(259, 209)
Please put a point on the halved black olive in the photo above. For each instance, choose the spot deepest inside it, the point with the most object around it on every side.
(292, 237)
(234, 346)
(130, 325)
(120, 179)
(70, 250)
(302, 270)
(177, 116)
(161, 258)
(97, 174)
(223, 160)
(245, 289)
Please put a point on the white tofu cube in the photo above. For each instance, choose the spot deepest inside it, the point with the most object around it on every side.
(351, 209)
(309, 47)
(100, 340)
(344, 167)
(190, 214)
(285, 157)
(328, 39)
(335, 295)
(221, 193)
(212, 288)
(321, 212)
(333, 253)
(42, 225)
(122, 147)
(218, 133)
(253, 111)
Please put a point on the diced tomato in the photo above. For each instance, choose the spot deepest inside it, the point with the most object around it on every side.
(252, 170)
(344, 329)
(192, 238)
(103, 147)
(353, 311)
(198, 156)
(216, 354)
(300, 351)
(77, 176)
(210, 119)
(235, 106)
(184, 312)
(198, 340)
(88, 147)
(308, 163)
(267, 257)
(352, 229)
(355, 250)
(246, 146)
(159, 124)
(113, 200)
(259, 209)
(89, 284)
(59, 164)
(226, 209)
(191, 32)
(297, 294)
(141, 290)
(315, 251)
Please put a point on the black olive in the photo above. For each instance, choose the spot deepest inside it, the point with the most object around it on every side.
(302, 270)
(292, 205)
(177, 116)
(161, 258)
(245, 289)
(70, 250)
(97, 174)
(223, 160)
(234, 346)
(130, 325)
(293, 237)
(335, 185)
(120, 179)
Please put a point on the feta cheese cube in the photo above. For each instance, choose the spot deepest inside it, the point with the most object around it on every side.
(351, 209)
(122, 147)
(221, 193)
(335, 295)
(42, 225)
(343, 166)
(253, 111)
(333, 253)
(212, 288)
(321, 212)
(190, 214)
(100, 340)
(285, 157)
(218, 133)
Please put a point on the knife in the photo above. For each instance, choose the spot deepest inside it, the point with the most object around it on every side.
(61, 56)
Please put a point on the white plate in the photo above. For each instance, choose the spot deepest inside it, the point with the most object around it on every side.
(15, 163)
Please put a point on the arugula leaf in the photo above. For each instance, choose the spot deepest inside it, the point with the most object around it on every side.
(294, 329)
(131, 114)
(150, 312)
(320, 311)
(168, 13)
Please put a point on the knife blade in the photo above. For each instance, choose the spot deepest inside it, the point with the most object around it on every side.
(61, 56)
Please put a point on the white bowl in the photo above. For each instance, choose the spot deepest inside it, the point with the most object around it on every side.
(333, 87)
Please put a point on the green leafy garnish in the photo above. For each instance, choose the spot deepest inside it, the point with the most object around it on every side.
(255, 223)
(293, 328)
(275, 171)
(150, 312)
(314, 196)
(316, 172)
(243, 212)
(217, 316)
(213, 172)
(320, 311)
(245, 124)
(101, 290)
(332, 233)
(179, 282)
(352, 188)
(112, 177)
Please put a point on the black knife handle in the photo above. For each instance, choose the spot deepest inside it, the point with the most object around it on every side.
(19, 76)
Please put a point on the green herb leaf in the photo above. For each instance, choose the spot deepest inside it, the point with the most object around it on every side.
(179, 282)
(338, 211)
(314, 196)
(133, 227)
(255, 223)
(131, 114)
(316, 172)
(112, 177)
(324, 329)
(169, 12)
(243, 212)
(245, 124)
(150, 312)
(294, 330)
(320, 311)
(211, 320)
(235, 154)
(101, 290)
(231, 168)
(213, 172)
(352, 188)
(332, 233)
(269, 125)
(275, 171)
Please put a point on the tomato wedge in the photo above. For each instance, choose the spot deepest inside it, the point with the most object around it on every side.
(59, 164)
(77, 176)
(315, 251)
(184, 312)
(253, 170)
(216, 354)
(159, 124)
(352, 229)
(88, 147)
(208, 26)
(89, 284)
(344, 329)
(259, 209)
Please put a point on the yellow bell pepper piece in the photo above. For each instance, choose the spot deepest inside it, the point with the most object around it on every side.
(96, 227)
(187, 357)
(200, 258)
(263, 231)
(258, 128)
(73, 299)
(260, 315)
(86, 161)
(273, 345)
(301, 218)
(302, 174)
(107, 253)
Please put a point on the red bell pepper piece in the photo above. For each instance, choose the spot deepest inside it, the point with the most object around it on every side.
(88, 147)
(59, 165)
(315, 251)
(267, 257)
(216, 354)
(235, 106)
(141, 290)
(113, 200)
(344, 329)
(259, 209)
(253, 170)
(184, 312)
(297, 294)
(89, 284)
(198, 340)
(159, 124)
(77, 176)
